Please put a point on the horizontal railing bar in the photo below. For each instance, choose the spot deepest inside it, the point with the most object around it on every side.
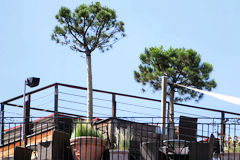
(46, 110)
(37, 90)
(107, 92)
(208, 109)
(132, 96)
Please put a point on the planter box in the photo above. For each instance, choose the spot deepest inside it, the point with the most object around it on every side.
(87, 148)
(118, 154)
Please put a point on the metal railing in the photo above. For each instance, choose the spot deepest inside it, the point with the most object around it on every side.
(63, 100)
(118, 138)
(70, 100)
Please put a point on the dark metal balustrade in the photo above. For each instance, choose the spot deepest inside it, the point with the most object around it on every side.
(200, 139)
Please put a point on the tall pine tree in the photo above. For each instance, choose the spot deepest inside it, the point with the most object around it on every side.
(86, 29)
(180, 66)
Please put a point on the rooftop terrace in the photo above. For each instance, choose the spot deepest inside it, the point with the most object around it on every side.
(56, 106)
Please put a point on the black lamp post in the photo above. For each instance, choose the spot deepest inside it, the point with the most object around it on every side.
(31, 82)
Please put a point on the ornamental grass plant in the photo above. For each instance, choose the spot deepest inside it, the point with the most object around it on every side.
(82, 128)
(123, 138)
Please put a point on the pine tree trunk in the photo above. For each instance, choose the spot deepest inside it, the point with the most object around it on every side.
(171, 128)
(89, 89)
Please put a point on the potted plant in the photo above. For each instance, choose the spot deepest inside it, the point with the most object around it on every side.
(232, 145)
(231, 148)
(86, 142)
(121, 146)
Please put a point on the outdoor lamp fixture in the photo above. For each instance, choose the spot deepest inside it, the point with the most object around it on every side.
(31, 82)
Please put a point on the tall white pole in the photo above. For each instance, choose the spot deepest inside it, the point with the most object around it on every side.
(163, 105)
(24, 108)
(24, 94)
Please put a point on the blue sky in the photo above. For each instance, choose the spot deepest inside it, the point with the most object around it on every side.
(209, 27)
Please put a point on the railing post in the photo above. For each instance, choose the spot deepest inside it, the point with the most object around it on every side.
(223, 128)
(26, 119)
(114, 114)
(163, 105)
(56, 106)
(2, 124)
(114, 110)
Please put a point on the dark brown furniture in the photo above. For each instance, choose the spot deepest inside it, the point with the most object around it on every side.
(56, 149)
(202, 150)
(188, 128)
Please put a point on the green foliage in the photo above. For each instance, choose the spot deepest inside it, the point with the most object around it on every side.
(123, 138)
(180, 66)
(85, 129)
(231, 145)
(88, 28)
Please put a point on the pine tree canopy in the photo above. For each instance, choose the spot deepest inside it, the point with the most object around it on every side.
(88, 28)
(180, 66)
